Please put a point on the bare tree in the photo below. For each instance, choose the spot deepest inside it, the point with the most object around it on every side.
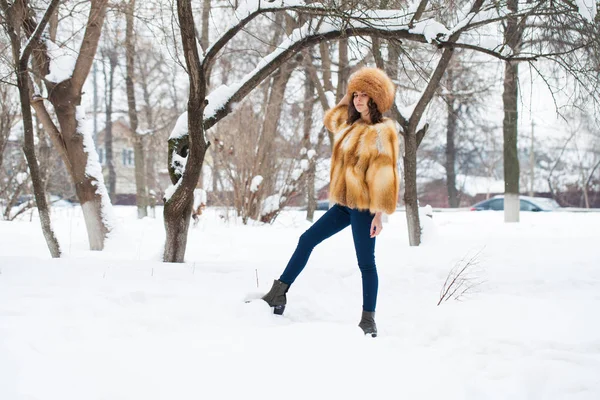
(307, 110)
(13, 14)
(111, 60)
(14, 177)
(513, 37)
(138, 143)
(69, 138)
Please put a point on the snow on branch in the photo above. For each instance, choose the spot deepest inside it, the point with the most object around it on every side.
(62, 62)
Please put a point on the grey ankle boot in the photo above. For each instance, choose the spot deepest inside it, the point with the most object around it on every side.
(276, 296)
(367, 323)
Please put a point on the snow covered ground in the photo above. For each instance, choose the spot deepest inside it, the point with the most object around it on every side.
(119, 324)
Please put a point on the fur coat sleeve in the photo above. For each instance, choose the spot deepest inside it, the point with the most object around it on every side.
(363, 163)
(335, 118)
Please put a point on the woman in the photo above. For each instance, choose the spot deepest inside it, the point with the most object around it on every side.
(364, 184)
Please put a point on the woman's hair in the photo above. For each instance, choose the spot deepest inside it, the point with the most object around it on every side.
(354, 115)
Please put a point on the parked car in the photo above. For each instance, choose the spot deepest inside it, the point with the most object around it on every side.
(322, 205)
(496, 203)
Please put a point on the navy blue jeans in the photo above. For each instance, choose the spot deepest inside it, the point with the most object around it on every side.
(334, 220)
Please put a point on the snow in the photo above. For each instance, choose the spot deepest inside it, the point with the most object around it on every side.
(119, 324)
(62, 62)
(181, 127)
(22, 177)
(430, 29)
(178, 163)
(170, 190)
(256, 181)
(271, 204)
(297, 172)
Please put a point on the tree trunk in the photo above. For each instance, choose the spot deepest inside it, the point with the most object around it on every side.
(21, 62)
(108, 134)
(410, 190)
(151, 180)
(177, 222)
(343, 70)
(450, 146)
(265, 157)
(327, 83)
(141, 197)
(178, 208)
(510, 130)
(307, 109)
(510, 97)
(38, 184)
(412, 140)
(39, 190)
(88, 188)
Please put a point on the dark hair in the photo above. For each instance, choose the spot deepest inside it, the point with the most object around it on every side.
(354, 115)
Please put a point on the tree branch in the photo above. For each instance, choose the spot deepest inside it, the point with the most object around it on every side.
(488, 52)
(283, 53)
(232, 31)
(42, 113)
(417, 15)
(91, 37)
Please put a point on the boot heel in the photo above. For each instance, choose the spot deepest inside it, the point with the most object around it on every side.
(278, 310)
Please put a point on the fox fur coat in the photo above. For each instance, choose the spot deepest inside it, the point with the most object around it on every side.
(363, 164)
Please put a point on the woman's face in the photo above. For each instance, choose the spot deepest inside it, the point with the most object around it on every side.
(361, 102)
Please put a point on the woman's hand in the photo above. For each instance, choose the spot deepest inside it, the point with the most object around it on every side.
(376, 225)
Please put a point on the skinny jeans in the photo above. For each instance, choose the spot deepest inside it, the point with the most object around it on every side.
(333, 221)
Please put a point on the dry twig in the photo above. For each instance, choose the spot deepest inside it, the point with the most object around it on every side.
(461, 279)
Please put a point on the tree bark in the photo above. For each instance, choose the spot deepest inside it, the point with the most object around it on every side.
(450, 143)
(513, 38)
(178, 208)
(111, 54)
(141, 197)
(327, 83)
(307, 109)
(410, 190)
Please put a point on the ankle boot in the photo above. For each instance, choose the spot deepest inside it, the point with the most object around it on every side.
(367, 323)
(276, 296)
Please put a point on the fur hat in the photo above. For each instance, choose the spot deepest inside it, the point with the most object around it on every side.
(376, 84)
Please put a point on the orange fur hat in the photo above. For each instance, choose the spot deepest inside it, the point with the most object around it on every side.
(376, 84)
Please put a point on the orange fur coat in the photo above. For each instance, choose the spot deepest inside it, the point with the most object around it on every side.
(363, 164)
